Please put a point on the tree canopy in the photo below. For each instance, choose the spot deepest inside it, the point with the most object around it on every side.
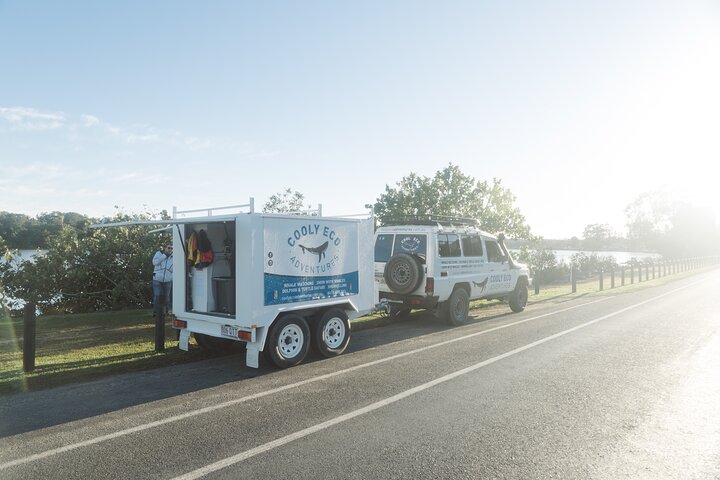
(662, 222)
(286, 201)
(452, 193)
(87, 269)
(25, 232)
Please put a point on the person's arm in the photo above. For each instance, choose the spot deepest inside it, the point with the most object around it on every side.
(158, 258)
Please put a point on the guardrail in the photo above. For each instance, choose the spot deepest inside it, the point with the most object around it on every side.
(627, 273)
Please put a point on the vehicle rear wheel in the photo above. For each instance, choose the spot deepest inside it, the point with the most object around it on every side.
(331, 333)
(217, 346)
(288, 341)
(456, 309)
(519, 297)
(403, 273)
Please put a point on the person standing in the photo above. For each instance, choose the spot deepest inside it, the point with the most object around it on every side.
(162, 279)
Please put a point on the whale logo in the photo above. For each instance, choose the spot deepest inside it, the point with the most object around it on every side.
(481, 285)
(319, 251)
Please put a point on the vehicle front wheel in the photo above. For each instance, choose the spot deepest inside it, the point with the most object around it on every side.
(288, 341)
(456, 309)
(519, 297)
(331, 333)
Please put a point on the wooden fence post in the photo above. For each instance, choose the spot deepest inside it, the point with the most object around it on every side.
(612, 277)
(622, 276)
(601, 279)
(160, 329)
(29, 328)
(573, 278)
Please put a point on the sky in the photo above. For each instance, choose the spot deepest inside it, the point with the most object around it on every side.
(577, 107)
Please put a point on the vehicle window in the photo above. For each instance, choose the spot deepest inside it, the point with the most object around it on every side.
(493, 251)
(383, 247)
(472, 246)
(412, 244)
(448, 245)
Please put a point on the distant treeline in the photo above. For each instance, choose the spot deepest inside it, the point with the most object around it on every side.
(19, 231)
(612, 244)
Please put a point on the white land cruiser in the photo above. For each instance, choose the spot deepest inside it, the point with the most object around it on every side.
(443, 267)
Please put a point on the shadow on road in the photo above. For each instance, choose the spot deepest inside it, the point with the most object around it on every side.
(29, 411)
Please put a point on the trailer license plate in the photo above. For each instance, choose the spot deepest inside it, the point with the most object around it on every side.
(229, 331)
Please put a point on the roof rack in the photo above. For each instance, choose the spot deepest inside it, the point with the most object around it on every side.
(210, 211)
(444, 220)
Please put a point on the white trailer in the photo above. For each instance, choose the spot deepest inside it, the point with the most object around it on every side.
(278, 283)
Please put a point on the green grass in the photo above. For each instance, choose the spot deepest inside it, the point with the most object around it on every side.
(76, 348)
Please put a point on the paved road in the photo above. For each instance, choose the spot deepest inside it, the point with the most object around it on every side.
(622, 386)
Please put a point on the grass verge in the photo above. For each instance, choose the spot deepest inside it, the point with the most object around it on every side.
(75, 348)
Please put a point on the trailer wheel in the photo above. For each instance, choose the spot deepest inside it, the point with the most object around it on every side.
(519, 297)
(217, 346)
(288, 341)
(456, 309)
(331, 333)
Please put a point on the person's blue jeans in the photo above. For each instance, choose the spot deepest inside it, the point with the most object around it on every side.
(162, 295)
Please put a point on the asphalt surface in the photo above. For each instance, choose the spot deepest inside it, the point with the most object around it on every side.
(606, 387)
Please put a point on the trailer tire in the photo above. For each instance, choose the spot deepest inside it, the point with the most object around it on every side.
(519, 297)
(217, 346)
(403, 273)
(288, 341)
(455, 311)
(331, 333)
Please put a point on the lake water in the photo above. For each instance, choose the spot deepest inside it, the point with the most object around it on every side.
(620, 257)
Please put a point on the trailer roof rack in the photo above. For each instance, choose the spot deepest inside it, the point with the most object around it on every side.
(444, 220)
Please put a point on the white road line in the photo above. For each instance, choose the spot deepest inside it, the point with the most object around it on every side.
(213, 467)
(229, 403)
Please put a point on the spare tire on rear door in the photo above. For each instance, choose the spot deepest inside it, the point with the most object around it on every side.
(403, 273)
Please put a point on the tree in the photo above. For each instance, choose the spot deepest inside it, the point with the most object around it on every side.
(662, 222)
(452, 193)
(85, 270)
(597, 236)
(286, 201)
(12, 225)
(648, 218)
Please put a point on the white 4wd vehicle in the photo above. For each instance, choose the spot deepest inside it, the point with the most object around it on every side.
(443, 268)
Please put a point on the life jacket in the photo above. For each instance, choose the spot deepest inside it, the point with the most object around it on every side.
(193, 255)
(200, 253)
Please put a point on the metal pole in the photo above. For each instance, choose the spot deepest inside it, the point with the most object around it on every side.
(29, 328)
(601, 280)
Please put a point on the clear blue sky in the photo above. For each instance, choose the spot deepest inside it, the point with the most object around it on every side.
(577, 106)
